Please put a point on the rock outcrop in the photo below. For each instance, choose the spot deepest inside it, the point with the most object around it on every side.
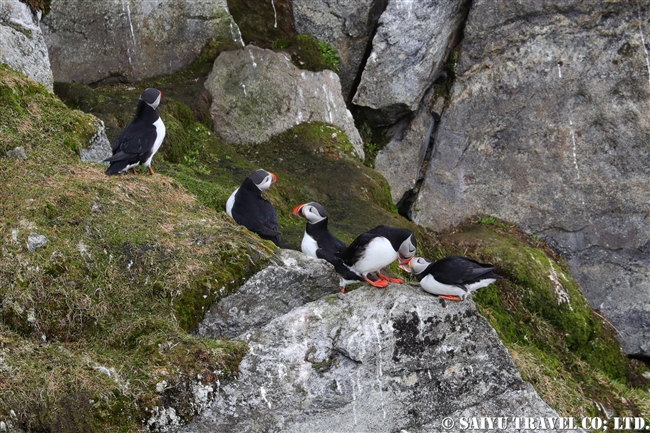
(547, 127)
(22, 46)
(347, 26)
(257, 93)
(375, 360)
(408, 50)
(130, 40)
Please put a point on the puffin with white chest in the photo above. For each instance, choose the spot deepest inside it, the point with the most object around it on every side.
(249, 209)
(317, 235)
(141, 139)
(375, 249)
(453, 277)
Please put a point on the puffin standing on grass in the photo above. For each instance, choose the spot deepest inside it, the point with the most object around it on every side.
(453, 277)
(317, 236)
(141, 139)
(249, 209)
(372, 251)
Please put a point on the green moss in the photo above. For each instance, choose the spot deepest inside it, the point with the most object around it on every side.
(309, 53)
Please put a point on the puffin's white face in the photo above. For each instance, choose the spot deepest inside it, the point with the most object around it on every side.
(263, 179)
(152, 97)
(313, 212)
(406, 251)
(418, 265)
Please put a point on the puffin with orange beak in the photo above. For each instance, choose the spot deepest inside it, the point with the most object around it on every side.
(453, 277)
(376, 249)
(249, 209)
(317, 235)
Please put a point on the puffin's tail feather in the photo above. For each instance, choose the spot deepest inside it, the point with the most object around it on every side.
(116, 167)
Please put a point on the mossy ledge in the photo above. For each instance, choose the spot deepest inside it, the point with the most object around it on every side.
(94, 325)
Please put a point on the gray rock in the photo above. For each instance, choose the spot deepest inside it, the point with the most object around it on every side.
(35, 241)
(17, 153)
(548, 127)
(99, 148)
(347, 26)
(292, 281)
(130, 40)
(22, 46)
(377, 360)
(257, 93)
(408, 51)
(401, 161)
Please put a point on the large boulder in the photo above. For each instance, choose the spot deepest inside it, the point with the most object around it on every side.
(548, 127)
(296, 279)
(258, 93)
(408, 51)
(346, 25)
(130, 40)
(22, 46)
(375, 360)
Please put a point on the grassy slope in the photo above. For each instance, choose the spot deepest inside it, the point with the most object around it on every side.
(92, 321)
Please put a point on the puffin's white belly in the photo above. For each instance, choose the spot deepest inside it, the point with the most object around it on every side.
(378, 254)
(160, 136)
(231, 202)
(309, 245)
(435, 287)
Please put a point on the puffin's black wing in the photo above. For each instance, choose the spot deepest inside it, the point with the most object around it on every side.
(136, 139)
(338, 264)
(353, 252)
(257, 215)
(459, 270)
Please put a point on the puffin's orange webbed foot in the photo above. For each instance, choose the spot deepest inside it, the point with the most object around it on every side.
(450, 297)
(151, 172)
(389, 279)
(377, 283)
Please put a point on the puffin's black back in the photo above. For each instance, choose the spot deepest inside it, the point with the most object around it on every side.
(135, 142)
(324, 238)
(256, 213)
(458, 270)
(356, 249)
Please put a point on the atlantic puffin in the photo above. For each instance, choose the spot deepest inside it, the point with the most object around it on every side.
(141, 139)
(375, 249)
(249, 209)
(453, 277)
(317, 235)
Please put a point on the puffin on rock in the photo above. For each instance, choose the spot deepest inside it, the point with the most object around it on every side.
(141, 139)
(317, 236)
(453, 277)
(373, 250)
(249, 209)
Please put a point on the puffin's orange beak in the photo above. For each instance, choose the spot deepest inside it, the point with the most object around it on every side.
(298, 211)
(275, 178)
(405, 264)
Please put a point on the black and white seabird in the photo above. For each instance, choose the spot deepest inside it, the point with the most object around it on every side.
(453, 277)
(249, 209)
(141, 139)
(375, 249)
(317, 235)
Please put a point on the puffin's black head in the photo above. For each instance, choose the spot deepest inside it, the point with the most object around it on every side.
(406, 251)
(152, 97)
(263, 179)
(313, 212)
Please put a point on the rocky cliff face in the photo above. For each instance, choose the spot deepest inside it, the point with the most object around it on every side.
(129, 40)
(373, 360)
(22, 46)
(547, 127)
